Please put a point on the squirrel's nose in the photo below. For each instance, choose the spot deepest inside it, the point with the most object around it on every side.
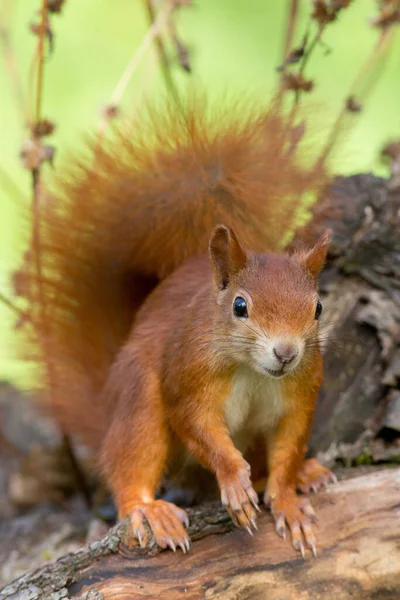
(285, 352)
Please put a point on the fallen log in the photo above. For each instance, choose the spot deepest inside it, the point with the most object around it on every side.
(358, 556)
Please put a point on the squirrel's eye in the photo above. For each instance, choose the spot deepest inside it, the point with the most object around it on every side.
(240, 307)
(318, 310)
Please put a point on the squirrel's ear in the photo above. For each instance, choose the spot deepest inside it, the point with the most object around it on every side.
(313, 260)
(227, 255)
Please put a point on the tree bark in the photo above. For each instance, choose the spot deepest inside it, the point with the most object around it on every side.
(360, 292)
(358, 556)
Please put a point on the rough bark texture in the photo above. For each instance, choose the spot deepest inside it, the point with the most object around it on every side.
(360, 291)
(359, 556)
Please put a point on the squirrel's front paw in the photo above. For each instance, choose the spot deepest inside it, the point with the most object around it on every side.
(313, 476)
(166, 521)
(239, 498)
(288, 508)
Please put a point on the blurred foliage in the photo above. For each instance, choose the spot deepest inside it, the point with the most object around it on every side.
(235, 47)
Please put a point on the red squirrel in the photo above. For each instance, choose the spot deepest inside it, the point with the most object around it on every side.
(171, 329)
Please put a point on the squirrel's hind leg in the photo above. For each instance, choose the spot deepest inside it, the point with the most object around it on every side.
(188, 483)
(313, 476)
(135, 453)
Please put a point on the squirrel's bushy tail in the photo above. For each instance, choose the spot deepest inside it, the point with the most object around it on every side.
(133, 212)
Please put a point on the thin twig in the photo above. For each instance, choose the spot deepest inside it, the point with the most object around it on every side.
(381, 45)
(134, 62)
(9, 57)
(306, 57)
(137, 57)
(291, 27)
(40, 75)
(36, 187)
(311, 48)
(7, 302)
(36, 242)
(164, 62)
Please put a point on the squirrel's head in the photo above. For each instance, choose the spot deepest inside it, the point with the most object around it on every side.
(268, 303)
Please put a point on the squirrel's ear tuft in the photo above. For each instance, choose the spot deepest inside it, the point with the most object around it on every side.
(313, 260)
(227, 255)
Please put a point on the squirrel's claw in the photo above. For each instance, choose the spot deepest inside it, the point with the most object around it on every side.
(171, 545)
(299, 530)
(307, 509)
(166, 522)
(298, 545)
(280, 526)
(313, 549)
(240, 500)
(183, 547)
(332, 477)
(298, 514)
(254, 524)
(313, 477)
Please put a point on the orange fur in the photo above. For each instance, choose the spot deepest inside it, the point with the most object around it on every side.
(134, 324)
(123, 221)
(172, 381)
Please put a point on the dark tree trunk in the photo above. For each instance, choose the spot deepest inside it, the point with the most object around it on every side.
(360, 290)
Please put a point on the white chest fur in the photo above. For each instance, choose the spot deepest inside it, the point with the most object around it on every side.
(254, 406)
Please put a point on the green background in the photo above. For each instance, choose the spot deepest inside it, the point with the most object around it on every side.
(235, 46)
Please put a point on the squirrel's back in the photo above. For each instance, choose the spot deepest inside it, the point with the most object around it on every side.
(137, 209)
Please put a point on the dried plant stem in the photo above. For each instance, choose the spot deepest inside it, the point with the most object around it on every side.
(36, 187)
(9, 57)
(311, 47)
(291, 27)
(36, 241)
(134, 62)
(162, 54)
(7, 302)
(40, 51)
(136, 59)
(309, 50)
(381, 45)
